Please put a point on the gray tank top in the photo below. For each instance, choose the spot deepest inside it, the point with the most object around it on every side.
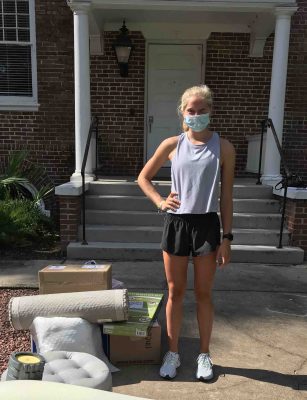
(196, 175)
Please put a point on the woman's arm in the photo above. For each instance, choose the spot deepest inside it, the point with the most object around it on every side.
(226, 201)
(149, 171)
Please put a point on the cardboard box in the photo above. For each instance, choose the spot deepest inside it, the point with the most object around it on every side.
(136, 350)
(143, 309)
(74, 278)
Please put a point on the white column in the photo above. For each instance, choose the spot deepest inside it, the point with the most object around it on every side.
(82, 85)
(271, 172)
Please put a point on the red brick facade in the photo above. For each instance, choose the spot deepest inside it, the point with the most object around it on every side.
(70, 217)
(241, 86)
(295, 126)
(119, 104)
(48, 134)
(296, 215)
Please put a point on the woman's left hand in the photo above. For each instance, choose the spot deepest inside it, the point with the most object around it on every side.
(223, 254)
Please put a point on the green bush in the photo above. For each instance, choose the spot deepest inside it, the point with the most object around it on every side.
(22, 223)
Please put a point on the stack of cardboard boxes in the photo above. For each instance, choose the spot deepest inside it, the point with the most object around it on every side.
(137, 340)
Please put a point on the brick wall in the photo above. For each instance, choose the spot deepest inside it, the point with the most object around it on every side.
(295, 138)
(241, 88)
(119, 104)
(296, 216)
(48, 134)
(70, 217)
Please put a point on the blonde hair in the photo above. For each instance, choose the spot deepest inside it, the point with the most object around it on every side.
(202, 91)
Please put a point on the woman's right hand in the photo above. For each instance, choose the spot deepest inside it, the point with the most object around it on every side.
(171, 202)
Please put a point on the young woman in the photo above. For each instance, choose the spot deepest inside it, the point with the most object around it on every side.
(200, 159)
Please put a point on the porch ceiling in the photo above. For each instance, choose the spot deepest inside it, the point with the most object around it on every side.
(215, 5)
(187, 24)
(227, 15)
(174, 16)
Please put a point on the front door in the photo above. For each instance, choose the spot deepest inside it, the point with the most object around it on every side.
(172, 68)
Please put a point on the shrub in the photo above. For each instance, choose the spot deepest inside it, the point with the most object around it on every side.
(22, 223)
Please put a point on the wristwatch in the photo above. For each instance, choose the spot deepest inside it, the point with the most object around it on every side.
(228, 236)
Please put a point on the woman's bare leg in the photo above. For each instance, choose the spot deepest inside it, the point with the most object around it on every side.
(204, 272)
(176, 274)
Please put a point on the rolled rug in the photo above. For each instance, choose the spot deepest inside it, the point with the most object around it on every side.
(94, 306)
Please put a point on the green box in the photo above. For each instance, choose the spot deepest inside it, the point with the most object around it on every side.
(143, 309)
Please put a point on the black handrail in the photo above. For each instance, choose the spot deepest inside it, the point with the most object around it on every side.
(285, 176)
(93, 129)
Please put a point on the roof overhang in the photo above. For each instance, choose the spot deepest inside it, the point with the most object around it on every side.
(198, 5)
(189, 20)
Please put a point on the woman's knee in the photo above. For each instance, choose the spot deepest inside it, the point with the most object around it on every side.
(203, 296)
(176, 294)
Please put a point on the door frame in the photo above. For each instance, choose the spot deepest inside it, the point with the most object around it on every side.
(149, 42)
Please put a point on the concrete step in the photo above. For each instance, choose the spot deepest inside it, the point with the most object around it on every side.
(152, 234)
(149, 218)
(142, 203)
(151, 251)
(131, 188)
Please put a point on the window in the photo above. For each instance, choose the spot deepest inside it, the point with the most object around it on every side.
(18, 86)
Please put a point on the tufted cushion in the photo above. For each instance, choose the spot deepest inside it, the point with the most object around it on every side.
(77, 369)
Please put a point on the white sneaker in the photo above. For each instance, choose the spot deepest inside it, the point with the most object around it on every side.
(171, 362)
(204, 368)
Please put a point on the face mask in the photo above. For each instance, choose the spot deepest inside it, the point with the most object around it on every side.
(197, 122)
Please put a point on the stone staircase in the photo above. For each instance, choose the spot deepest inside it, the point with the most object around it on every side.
(122, 224)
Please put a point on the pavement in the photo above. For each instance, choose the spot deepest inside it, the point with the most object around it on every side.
(259, 339)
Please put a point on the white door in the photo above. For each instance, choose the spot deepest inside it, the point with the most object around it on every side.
(172, 68)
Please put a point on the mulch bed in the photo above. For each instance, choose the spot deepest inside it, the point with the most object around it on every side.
(34, 252)
(10, 339)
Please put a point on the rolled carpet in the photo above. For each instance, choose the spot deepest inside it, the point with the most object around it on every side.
(94, 306)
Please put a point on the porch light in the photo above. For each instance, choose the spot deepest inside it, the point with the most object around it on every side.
(123, 47)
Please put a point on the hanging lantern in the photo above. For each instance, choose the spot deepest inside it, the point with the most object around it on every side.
(123, 47)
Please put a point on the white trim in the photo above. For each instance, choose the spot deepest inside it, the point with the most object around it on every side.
(292, 193)
(285, 12)
(173, 31)
(216, 5)
(71, 188)
(145, 102)
(79, 5)
(25, 103)
(33, 49)
(82, 88)
(96, 45)
(19, 106)
(271, 169)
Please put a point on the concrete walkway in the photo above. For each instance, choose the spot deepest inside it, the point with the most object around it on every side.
(259, 340)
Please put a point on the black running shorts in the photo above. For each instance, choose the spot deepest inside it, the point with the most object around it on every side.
(196, 234)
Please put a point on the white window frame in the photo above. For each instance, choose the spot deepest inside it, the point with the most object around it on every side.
(25, 103)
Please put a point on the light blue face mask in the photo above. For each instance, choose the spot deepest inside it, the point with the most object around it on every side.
(197, 122)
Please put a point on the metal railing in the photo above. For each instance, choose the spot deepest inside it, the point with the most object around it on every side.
(92, 130)
(286, 175)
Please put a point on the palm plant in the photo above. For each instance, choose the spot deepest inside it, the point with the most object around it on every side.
(12, 180)
(22, 220)
(19, 174)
